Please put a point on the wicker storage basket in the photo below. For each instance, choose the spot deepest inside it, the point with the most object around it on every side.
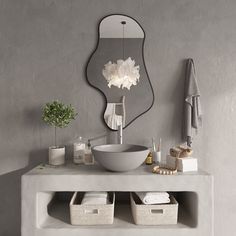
(91, 214)
(159, 214)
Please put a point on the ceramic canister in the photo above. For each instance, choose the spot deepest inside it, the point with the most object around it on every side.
(56, 155)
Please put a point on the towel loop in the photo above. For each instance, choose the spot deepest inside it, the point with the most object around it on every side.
(122, 103)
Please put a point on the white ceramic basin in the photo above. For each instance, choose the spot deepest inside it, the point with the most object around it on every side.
(120, 157)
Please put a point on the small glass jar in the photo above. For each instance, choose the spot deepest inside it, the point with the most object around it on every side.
(79, 150)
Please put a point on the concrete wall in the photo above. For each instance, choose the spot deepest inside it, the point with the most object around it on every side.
(44, 46)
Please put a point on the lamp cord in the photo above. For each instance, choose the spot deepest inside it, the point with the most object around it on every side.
(123, 39)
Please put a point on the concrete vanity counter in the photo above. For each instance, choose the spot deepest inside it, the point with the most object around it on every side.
(193, 190)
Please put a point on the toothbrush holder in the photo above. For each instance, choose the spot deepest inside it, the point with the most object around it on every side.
(157, 157)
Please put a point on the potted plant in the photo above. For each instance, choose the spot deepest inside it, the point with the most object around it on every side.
(57, 115)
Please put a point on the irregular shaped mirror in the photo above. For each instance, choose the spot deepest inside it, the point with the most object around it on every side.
(117, 69)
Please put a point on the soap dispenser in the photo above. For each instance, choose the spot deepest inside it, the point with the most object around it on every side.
(88, 156)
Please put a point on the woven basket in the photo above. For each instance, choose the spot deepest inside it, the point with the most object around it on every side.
(91, 214)
(159, 214)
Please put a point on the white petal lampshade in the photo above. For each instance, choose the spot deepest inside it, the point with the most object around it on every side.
(122, 74)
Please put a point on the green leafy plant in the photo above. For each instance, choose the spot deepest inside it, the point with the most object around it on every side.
(58, 115)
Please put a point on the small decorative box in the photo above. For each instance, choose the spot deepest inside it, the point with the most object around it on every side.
(183, 164)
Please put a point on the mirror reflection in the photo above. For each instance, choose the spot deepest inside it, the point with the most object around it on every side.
(117, 69)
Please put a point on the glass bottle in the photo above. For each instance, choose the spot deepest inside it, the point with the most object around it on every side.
(88, 156)
(79, 150)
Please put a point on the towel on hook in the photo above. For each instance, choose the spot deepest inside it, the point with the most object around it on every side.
(192, 105)
(113, 120)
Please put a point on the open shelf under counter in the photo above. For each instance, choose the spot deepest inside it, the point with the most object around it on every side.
(123, 221)
(194, 192)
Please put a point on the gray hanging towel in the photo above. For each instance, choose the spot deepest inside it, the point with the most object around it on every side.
(192, 106)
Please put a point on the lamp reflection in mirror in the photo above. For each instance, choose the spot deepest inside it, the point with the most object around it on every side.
(122, 74)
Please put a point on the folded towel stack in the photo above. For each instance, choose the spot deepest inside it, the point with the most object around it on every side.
(149, 198)
(91, 198)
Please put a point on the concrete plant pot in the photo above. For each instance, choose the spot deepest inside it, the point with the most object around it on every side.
(56, 155)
